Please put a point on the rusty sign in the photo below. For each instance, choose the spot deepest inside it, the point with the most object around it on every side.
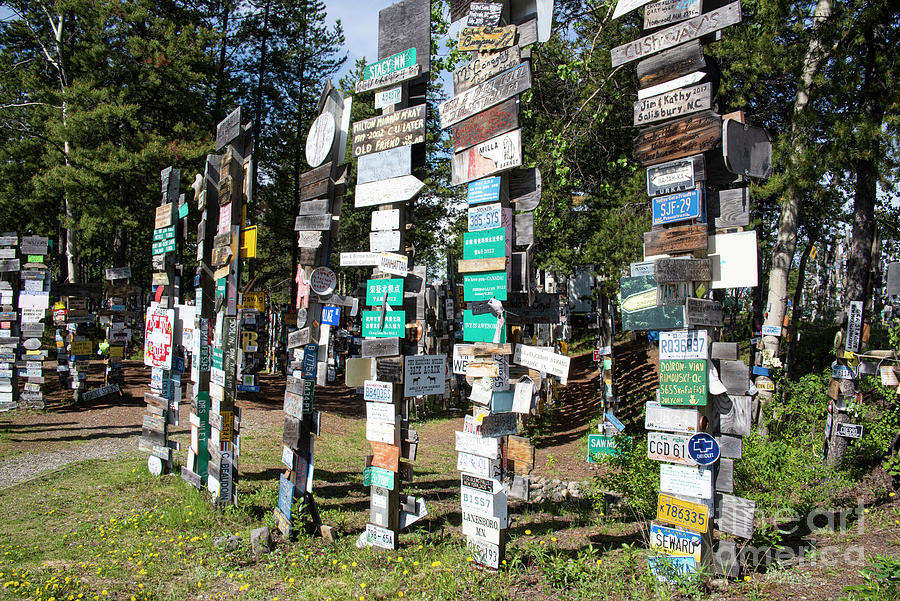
(486, 125)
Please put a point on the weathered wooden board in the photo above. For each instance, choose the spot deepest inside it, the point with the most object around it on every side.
(321, 189)
(674, 104)
(725, 350)
(681, 239)
(479, 265)
(725, 560)
(500, 424)
(747, 150)
(483, 67)
(735, 376)
(525, 188)
(484, 14)
(459, 9)
(701, 312)
(315, 207)
(313, 223)
(400, 128)
(485, 95)
(677, 34)
(403, 25)
(390, 79)
(730, 446)
(676, 139)
(380, 347)
(729, 208)
(486, 125)
(725, 475)
(666, 12)
(487, 158)
(387, 191)
(682, 270)
(383, 165)
(520, 450)
(309, 239)
(672, 64)
(316, 175)
(228, 129)
(735, 515)
(486, 38)
(524, 229)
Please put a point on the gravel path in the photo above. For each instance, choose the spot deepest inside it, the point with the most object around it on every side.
(28, 466)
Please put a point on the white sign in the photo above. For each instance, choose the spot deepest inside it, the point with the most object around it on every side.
(424, 374)
(854, 326)
(734, 260)
(483, 552)
(523, 396)
(686, 480)
(384, 241)
(482, 526)
(668, 447)
(460, 361)
(484, 217)
(287, 455)
(388, 97)
(542, 360)
(643, 268)
(670, 419)
(381, 392)
(684, 344)
(384, 413)
(379, 537)
(624, 7)
(360, 259)
(322, 281)
(483, 503)
(478, 466)
(771, 331)
(158, 337)
(477, 445)
(393, 263)
(385, 220)
(380, 432)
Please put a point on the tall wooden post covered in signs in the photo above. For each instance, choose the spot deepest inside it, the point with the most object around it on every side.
(487, 144)
(697, 162)
(33, 302)
(391, 153)
(318, 307)
(9, 340)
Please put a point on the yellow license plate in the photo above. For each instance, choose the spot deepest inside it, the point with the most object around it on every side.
(682, 513)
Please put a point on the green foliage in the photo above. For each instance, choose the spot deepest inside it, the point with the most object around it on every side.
(631, 474)
(881, 581)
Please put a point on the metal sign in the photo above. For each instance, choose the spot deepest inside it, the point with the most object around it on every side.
(747, 150)
(688, 515)
(854, 326)
(703, 449)
(486, 244)
(542, 360)
(601, 446)
(671, 419)
(322, 281)
(672, 448)
(487, 158)
(394, 264)
(675, 176)
(845, 430)
(424, 375)
(331, 315)
(675, 542)
(384, 221)
(686, 480)
(482, 467)
(393, 326)
(483, 503)
(380, 537)
(485, 286)
(484, 217)
(684, 344)
(391, 64)
(386, 164)
(683, 382)
(384, 241)
(377, 289)
(673, 208)
(483, 190)
(700, 312)
(381, 392)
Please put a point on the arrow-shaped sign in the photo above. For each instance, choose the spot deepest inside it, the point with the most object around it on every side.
(385, 191)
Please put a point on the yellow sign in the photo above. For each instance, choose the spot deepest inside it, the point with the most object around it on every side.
(248, 243)
(249, 341)
(682, 513)
(81, 347)
(254, 300)
(59, 305)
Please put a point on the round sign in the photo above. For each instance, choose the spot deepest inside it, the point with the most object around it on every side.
(301, 318)
(322, 281)
(32, 344)
(154, 464)
(703, 448)
(320, 139)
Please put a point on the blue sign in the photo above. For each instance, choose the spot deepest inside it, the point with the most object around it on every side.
(242, 388)
(761, 371)
(666, 567)
(673, 208)
(331, 316)
(703, 449)
(310, 359)
(484, 190)
(285, 496)
(615, 421)
(178, 365)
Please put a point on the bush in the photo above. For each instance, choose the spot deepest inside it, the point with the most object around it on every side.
(631, 474)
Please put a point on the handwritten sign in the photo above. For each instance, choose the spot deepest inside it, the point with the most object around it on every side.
(854, 326)
(543, 360)
(683, 382)
(486, 38)
(485, 95)
(686, 480)
(676, 103)
(683, 137)
(484, 14)
(483, 67)
(666, 12)
(486, 125)
(158, 337)
(387, 191)
(701, 312)
(487, 158)
(400, 128)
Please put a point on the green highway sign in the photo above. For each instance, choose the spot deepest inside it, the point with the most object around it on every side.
(394, 324)
(601, 446)
(683, 382)
(164, 233)
(484, 286)
(389, 65)
(164, 246)
(375, 290)
(481, 328)
(486, 244)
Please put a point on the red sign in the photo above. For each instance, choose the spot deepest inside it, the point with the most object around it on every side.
(158, 337)
(597, 356)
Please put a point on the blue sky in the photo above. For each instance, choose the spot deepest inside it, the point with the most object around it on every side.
(360, 21)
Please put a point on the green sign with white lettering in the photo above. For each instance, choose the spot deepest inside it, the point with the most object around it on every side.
(484, 286)
(378, 476)
(394, 324)
(481, 328)
(163, 246)
(601, 446)
(683, 382)
(217, 358)
(487, 244)
(164, 233)
(388, 65)
(375, 290)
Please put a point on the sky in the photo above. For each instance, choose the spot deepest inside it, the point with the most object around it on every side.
(360, 21)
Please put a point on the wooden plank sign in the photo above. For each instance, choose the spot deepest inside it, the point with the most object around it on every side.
(677, 34)
(485, 95)
(680, 239)
(486, 38)
(313, 223)
(675, 64)
(387, 191)
(483, 67)
(486, 125)
(384, 165)
(701, 312)
(670, 105)
(406, 24)
(682, 270)
(482, 527)
(666, 12)
(400, 128)
(500, 424)
(477, 445)
(681, 138)
(735, 515)
(487, 158)
(228, 129)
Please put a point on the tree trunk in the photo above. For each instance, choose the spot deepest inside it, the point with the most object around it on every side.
(220, 73)
(786, 241)
(798, 293)
(260, 77)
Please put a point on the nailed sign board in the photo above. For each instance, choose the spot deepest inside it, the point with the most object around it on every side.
(666, 12)
(601, 446)
(313, 223)
(673, 208)
(484, 14)
(482, 527)
(359, 259)
(525, 188)
(671, 419)
(388, 80)
(391, 64)
(486, 244)
(487, 158)
(729, 208)
(688, 515)
(484, 217)
(381, 392)
(380, 347)
(228, 129)
(383, 221)
(385, 132)
(485, 95)
(394, 324)
(389, 97)
(675, 542)
(686, 480)
(671, 69)
(118, 273)
(700, 312)
(679, 239)
(483, 190)
(500, 424)
(671, 448)
(158, 337)
(483, 503)
(384, 241)
(854, 326)
(675, 176)
(683, 344)
(386, 191)
(377, 536)
(477, 445)
(406, 24)
(735, 515)
(542, 360)
(386, 164)
(483, 67)
(637, 298)
(677, 34)
(376, 290)
(485, 286)
(394, 264)
(747, 149)
(683, 382)
(623, 7)
(486, 125)
(845, 430)
(486, 38)
(734, 260)
(676, 103)
(482, 467)
(424, 374)
(668, 271)
(677, 139)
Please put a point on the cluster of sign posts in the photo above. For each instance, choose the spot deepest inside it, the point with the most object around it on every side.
(118, 317)
(497, 287)
(318, 307)
(697, 165)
